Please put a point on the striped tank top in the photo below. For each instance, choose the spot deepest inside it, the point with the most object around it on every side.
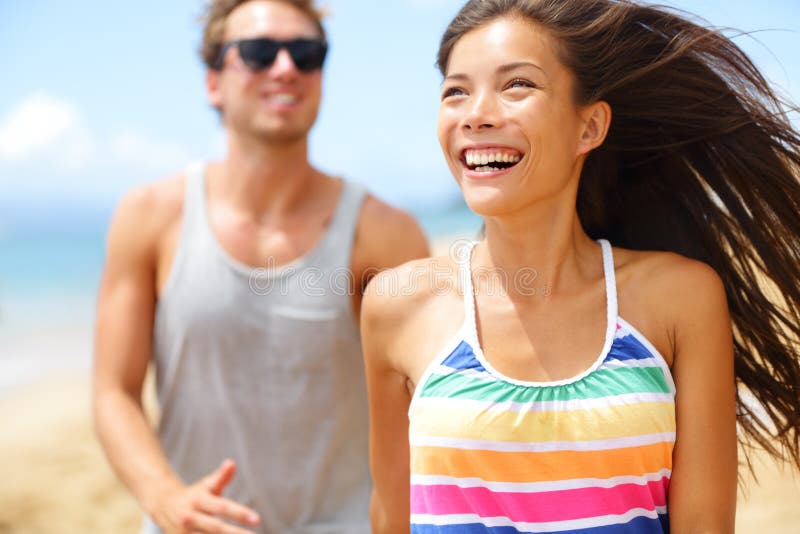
(589, 454)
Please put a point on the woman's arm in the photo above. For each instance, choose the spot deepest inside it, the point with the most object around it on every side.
(702, 493)
(389, 400)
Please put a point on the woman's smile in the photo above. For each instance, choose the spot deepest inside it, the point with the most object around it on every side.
(489, 161)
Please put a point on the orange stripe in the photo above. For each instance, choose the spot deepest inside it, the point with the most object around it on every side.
(496, 466)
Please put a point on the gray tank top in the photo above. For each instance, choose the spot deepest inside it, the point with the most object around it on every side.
(263, 365)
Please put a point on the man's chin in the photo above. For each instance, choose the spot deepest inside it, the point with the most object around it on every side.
(282, 136)
(269, 130)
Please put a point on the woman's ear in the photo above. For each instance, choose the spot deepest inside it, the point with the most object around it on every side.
(596, 120)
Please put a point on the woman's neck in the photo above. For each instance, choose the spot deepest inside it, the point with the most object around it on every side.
(542, 247)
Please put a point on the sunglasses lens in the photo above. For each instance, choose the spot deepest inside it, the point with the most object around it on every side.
(258, 54)
(308, 54)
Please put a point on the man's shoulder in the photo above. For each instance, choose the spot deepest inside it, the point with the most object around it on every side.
(387, 236)
(146, 213)
(153, 204)
(378, 214)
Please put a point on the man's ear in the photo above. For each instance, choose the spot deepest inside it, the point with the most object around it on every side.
(596, 120)
(213, 90)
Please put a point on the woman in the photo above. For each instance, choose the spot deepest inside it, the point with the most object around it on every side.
(563, 385)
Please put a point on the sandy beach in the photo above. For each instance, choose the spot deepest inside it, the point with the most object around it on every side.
(56, 480)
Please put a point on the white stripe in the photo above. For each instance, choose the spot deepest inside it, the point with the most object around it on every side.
(545, 406)
(640, 364)
(544, 446)
(538, 487)
(446, 370)
(609, 364)
(479, 375)
(611, 321)
(652, 348)
(552, 526)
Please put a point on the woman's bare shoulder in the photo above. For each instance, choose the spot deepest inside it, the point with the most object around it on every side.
(410, 311)
(411, 287)
(663, 293)
(665, 274)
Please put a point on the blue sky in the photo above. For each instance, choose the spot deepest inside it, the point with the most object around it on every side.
(99, 96)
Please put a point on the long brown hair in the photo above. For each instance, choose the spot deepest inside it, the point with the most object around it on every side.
(700, 159)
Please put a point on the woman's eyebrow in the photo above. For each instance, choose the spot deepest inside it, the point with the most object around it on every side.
(459, 77)
(502, 69)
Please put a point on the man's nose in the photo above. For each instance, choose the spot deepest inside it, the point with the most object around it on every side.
(284, 64)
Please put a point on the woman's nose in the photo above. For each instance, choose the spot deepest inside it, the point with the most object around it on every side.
(483, 113)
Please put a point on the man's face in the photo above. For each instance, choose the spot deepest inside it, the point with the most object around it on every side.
(279, 103)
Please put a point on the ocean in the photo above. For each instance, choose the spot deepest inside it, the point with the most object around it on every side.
(49, 275)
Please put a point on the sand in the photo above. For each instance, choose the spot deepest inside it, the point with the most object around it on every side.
(56, 480)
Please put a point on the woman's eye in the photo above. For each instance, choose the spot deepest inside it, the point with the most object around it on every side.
(520, 83)
(451, 91)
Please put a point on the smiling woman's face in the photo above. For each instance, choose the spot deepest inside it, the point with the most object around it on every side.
(508, 124)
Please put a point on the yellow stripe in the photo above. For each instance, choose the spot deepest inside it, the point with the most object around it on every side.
(579, 425)
(495, 466)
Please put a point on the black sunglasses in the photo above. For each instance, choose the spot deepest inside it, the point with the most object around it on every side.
(308, 55)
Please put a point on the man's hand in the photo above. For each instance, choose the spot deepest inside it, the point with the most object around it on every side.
(201, 507)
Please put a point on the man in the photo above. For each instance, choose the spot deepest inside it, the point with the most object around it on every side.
(235, 278)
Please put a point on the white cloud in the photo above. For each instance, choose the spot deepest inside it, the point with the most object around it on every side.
(45, 127)
(46, 144)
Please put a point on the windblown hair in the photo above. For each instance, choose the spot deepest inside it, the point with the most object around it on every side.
(700, 159)
(216, 16)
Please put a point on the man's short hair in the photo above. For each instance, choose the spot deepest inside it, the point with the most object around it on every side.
(216, 15)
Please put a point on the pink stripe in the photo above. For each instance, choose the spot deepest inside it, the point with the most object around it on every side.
(559, 505)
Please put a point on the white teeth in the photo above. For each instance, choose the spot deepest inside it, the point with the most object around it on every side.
(475, 159)
(284, 98)
(486, 168)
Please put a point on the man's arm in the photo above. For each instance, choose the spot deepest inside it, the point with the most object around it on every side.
(124, 330)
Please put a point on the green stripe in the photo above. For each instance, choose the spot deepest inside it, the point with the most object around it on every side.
(601, 383)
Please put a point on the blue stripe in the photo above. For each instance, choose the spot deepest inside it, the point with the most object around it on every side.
(628, 348)
(639, 525)
(463, 358)
(623, 348)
